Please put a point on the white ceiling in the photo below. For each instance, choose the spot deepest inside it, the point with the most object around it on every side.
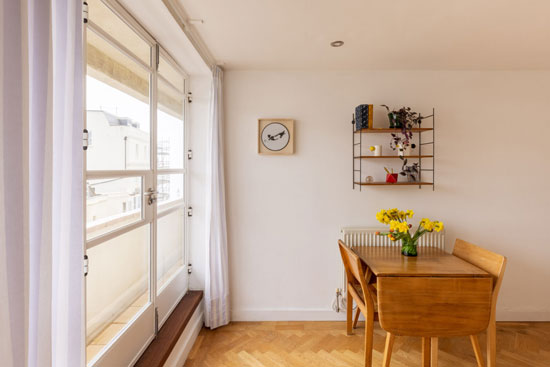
(156, 18)
(378, 34)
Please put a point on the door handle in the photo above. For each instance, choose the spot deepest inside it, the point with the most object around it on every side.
(152, 196)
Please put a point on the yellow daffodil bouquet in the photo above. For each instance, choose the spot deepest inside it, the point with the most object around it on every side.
(400, 228)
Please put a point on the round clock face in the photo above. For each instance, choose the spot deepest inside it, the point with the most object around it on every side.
(275, 136)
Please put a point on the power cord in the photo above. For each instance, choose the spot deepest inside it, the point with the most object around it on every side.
(340, 303)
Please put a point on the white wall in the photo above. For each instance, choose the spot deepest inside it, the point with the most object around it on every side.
(284, 213)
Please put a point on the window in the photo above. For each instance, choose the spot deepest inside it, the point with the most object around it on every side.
(135, 185)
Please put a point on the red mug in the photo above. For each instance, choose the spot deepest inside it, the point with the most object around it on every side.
(391, 178)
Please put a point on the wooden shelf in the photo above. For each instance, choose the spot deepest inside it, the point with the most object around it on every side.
(386, 131)
(392, 156)
(392, 184)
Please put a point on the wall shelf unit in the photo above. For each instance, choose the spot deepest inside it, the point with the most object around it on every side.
(360, 142)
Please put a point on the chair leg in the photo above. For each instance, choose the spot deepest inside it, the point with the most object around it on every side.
(369, 336)
(390, 338)
(349, 313)
(492, 343)
(434, 348)
(477, 351)
(356, 317)
(426, 346)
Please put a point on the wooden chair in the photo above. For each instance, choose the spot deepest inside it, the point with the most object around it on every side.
(465, 306)
(359, 289)
(495, 265)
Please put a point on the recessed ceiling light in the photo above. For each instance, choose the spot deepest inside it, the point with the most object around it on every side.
(337, 43)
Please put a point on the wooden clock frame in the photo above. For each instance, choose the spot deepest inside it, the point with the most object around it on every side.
(288, 149)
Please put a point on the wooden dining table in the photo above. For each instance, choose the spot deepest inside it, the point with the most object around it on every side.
(432, 295)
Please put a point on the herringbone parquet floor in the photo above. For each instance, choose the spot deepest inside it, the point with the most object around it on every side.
(320, 344)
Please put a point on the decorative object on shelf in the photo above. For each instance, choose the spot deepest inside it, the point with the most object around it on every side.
(369, 179)
(405, 150)
(400, 229)
(411, 171)
(403, 118)
(406, 120)
(376, 150)
(364, 116)
(275, 136)
(390, 177)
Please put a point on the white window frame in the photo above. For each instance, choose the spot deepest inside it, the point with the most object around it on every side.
(149, 179)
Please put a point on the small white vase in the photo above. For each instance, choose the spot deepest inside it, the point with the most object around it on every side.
(377, 150)
(404, 151)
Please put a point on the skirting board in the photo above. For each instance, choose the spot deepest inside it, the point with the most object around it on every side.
(330, 315)
(529, 316)
(287, 315)
(183, 346)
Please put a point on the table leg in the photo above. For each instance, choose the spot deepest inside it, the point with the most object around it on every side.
(426, 352)
(434, 348)
(369, 334)
(477, 350)
(368, 312)
(357, 312)
(492, 343)
(390, 338)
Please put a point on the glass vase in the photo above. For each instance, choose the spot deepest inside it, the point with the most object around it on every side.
(409, 247)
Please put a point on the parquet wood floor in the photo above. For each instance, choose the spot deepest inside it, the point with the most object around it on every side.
(320, 344)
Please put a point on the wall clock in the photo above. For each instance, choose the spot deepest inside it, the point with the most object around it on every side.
(275, 136)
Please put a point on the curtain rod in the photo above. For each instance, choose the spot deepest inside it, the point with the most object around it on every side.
(179, 15)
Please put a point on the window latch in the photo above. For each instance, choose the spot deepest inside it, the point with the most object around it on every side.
(152, 196)
(86, 265)
(85, 12)
(85, 139)
(189, 154)
(190, 211)
(156, 321)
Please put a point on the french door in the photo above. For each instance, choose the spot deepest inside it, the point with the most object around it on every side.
(135, 186)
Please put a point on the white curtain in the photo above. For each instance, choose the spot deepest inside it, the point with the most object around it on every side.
(216, 292)
(41, 155)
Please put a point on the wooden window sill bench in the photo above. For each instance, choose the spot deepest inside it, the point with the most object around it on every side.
(160, 348)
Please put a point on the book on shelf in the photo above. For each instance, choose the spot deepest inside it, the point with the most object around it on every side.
(364, 116)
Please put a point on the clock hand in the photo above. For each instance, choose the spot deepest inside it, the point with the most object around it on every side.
(276, 136)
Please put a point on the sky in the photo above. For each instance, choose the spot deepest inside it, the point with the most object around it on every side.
(101, 96)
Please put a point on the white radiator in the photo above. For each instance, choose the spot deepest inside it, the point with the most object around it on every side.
(365, 236)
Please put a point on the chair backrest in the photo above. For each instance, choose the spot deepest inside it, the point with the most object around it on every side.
(355, 270)
(491, 262)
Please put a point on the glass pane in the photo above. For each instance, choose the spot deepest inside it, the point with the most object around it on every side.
(117, 286)
(170, 74)
(112, 203)
(170, 189)
(117, 116)
(170, 128)
(169, 246)
(108, 21)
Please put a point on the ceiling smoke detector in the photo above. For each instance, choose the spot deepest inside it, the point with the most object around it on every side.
(337, 43)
